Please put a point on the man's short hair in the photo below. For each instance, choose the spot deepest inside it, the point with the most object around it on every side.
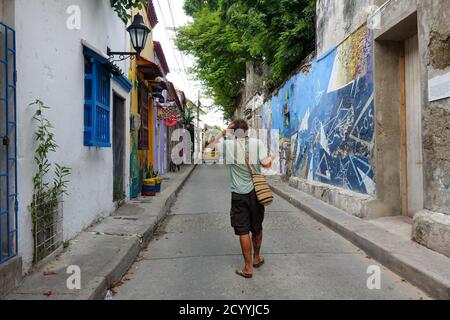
(240, 124)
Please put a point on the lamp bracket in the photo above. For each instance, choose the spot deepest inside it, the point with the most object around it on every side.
(121, 55)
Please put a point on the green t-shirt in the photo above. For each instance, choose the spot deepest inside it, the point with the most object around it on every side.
(232, 154)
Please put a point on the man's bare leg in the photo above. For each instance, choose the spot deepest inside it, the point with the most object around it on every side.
(246, 246)
(257, 242)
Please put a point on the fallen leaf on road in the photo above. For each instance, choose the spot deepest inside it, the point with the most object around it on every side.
(120, 283)
(49, 273)
(138, 259)
(48, 294)
(369, 257)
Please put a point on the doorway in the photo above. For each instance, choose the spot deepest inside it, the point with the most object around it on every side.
(399, 100)
(411, 113)
(118, 148)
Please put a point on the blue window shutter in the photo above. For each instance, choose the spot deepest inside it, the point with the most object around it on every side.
(89, 98)
(97, 104)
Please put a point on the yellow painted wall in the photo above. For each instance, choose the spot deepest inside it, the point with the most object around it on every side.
(145, 156)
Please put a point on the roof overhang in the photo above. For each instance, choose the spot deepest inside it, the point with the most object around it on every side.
(161, 56)
(151, 14)
(148, 69)
(174, 95)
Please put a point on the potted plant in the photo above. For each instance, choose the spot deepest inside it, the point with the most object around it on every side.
(152, 182)
(158, 181)
(149, 185)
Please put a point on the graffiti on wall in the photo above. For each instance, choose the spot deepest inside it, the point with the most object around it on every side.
(324, 116)
(134, 167)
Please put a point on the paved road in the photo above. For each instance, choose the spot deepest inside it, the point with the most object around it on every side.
(195, 253)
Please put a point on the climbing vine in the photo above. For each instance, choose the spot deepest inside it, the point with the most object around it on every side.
(46, 195)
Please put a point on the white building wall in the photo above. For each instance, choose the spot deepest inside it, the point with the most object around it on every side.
(50, 67)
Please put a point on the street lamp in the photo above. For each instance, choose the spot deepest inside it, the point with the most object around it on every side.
(138, 34)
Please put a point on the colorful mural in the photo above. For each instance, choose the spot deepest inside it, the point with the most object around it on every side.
(325, 118)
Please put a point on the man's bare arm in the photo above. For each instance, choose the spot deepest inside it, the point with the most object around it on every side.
(216, 140)
(267, 163)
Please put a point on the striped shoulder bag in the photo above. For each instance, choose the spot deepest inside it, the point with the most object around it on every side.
(262, 189)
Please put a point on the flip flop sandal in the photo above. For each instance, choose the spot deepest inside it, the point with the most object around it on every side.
(241, 273)
(261, 262)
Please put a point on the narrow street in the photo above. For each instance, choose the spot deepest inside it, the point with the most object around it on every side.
(106, 115)
(194, 254)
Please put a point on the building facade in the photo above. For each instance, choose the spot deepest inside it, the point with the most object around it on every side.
(60, 59)
(155, 107)
(142, 138)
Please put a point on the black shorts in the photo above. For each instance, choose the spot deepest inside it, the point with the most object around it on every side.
(247, 214)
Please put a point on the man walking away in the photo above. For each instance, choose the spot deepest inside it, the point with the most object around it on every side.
(247, 214)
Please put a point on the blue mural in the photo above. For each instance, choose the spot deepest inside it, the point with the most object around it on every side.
(326, 114)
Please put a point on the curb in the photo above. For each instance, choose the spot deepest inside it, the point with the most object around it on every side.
(424, 268)
(99, 286)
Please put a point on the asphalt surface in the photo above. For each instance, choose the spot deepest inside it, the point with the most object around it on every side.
(194, 254)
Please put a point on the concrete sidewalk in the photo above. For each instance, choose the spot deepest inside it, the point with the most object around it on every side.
(420, 266)
(105, 251)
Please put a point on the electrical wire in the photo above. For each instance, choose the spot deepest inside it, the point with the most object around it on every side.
(171, 43)
(175, 27)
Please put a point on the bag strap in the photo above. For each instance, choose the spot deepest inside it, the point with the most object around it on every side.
(247, 161)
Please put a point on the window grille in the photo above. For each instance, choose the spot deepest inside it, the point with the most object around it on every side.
(8, 145)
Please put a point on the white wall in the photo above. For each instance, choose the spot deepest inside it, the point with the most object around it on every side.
(51, 68)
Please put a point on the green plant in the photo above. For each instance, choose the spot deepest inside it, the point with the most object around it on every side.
(149, 173)
(188, 116)
(123, 7)
(46, 195)
(226, 34)
(118, 193)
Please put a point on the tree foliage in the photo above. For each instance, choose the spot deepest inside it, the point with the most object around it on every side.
(225, 34)
(123, 7)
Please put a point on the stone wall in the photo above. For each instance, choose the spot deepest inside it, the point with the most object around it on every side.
(337, 19)
(337, 22)
(434, 22)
